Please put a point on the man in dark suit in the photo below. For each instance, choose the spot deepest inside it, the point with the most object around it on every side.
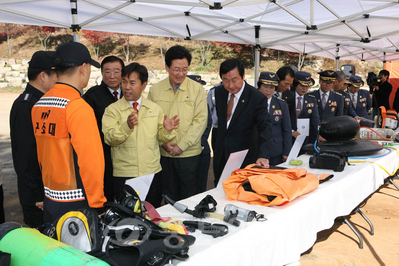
(329, 102)
(306, 106)
(99, 97)
(360, 99)
(243, 119)
(382, 91)
(286, 76)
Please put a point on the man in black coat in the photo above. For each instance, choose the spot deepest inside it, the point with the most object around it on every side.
(23, 143)
(99, 97)
(243, 119)
(286, 76)
(382, 91)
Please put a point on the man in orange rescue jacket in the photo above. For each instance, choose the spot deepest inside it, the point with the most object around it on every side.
(68, 142)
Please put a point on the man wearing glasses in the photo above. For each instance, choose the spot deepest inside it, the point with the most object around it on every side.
(179, 95)
(329, 102)
(99, 97)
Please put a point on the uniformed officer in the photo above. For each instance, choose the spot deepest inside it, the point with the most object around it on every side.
(329, 102)
(306, 106)
(279, 116)
(42, 78)
(340, 86)
(360, 99)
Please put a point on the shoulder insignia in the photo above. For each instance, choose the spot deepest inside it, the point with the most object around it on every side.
(281, 99)
(27, 97)
(311, 95)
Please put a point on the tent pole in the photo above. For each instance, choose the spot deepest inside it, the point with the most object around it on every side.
(336, 57)
(75, 26)
(257, 54)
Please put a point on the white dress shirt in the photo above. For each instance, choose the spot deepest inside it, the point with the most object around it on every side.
(236, 99)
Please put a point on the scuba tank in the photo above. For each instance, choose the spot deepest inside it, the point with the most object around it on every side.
(375, 133)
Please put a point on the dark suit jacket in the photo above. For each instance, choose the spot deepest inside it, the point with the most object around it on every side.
(334, 105)
(204, 138)
(348, 107)
(249, 127)
(363, 105)
(289, 97)
(381, 96)
(99, 97)
(281, 127)
(309, 110)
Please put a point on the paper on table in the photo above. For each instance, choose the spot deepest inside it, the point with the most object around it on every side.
(295, 148)
(141, 184)
(303, 126)
(233, 163)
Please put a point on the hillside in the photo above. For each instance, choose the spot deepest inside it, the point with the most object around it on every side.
(147, 50)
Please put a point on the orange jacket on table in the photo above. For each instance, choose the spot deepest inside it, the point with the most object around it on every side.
(285, 185)
(69, 147)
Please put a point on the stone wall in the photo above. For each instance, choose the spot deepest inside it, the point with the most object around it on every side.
(15, 74)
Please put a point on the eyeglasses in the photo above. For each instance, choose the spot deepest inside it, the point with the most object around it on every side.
(177, 70)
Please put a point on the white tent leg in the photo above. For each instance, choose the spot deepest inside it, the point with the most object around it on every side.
(257, 62)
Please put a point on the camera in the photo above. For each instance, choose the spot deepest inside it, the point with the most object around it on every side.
(373, 79)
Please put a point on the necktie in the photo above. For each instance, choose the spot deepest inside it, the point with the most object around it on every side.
(354, 100)
(298, 107)
(116, 95)
(230, 106)
(135, 107)
(324, 100)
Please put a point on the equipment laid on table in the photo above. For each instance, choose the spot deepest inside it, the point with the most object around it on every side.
(203, 210)
(386, 118)
(214, 230)
(329, 160)
(340, 132)
(244, 214)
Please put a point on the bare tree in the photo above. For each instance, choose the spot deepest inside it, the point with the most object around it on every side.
(301, 60)
(204, 47)
(161, 48)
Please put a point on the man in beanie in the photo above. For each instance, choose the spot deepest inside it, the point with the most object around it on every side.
(68, 142)
(42, 78)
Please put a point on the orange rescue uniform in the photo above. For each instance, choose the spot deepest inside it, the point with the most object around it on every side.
(69, 150)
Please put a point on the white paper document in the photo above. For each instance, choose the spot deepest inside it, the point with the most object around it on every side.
(303, 126)
(141, 184)
(233, 163)
(295, 148)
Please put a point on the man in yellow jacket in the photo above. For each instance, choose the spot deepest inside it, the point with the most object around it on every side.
(132, 127)
(180, 95)
(68, 142)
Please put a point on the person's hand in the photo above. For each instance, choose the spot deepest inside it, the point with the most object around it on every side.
(262, 162)
(39, 205)
(285, 158)
(132, 120)
(357, 119)
(176, 151)
(376, 87)
(295, 134)
(168, 146)
(321, 139)
(170, 124)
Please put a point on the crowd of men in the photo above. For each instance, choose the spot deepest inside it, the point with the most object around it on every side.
(73, 150)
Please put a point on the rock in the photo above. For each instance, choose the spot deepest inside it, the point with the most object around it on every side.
(162, 76)
(147, 88)
(250, 82)
(11, 61)
(23, 69)
(3, 85)
(95, 74)
(156, 72)
(4, 70)
(22, 76)
(23, 85)
(2, 63)
(15, 67)
(15, 82)
(151, 75)
(12, 74)
(92, 82)
(99, 80)
(25, 62)
(153, 81)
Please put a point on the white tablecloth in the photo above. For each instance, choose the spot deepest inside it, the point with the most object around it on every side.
(291, 229)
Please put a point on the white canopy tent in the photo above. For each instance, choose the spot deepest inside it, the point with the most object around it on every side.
(338, 29)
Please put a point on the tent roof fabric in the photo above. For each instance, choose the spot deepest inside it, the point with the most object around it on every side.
(344, 29)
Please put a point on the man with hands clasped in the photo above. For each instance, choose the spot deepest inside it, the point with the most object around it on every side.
(133, 127)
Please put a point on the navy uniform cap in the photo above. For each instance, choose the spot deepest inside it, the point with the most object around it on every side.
(304, 78)
(356, 81)
(197, 78)
(328, 75)
(42, 59)
(269, 78)
(71, 54)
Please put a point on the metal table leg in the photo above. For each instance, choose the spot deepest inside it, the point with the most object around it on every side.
(367, 220)
(354, 231)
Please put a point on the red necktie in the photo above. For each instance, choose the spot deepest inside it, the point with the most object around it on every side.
(135, 106)
(230, 106)
(116, 95)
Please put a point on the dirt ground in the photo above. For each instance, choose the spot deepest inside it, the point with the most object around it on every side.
(337, 246)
